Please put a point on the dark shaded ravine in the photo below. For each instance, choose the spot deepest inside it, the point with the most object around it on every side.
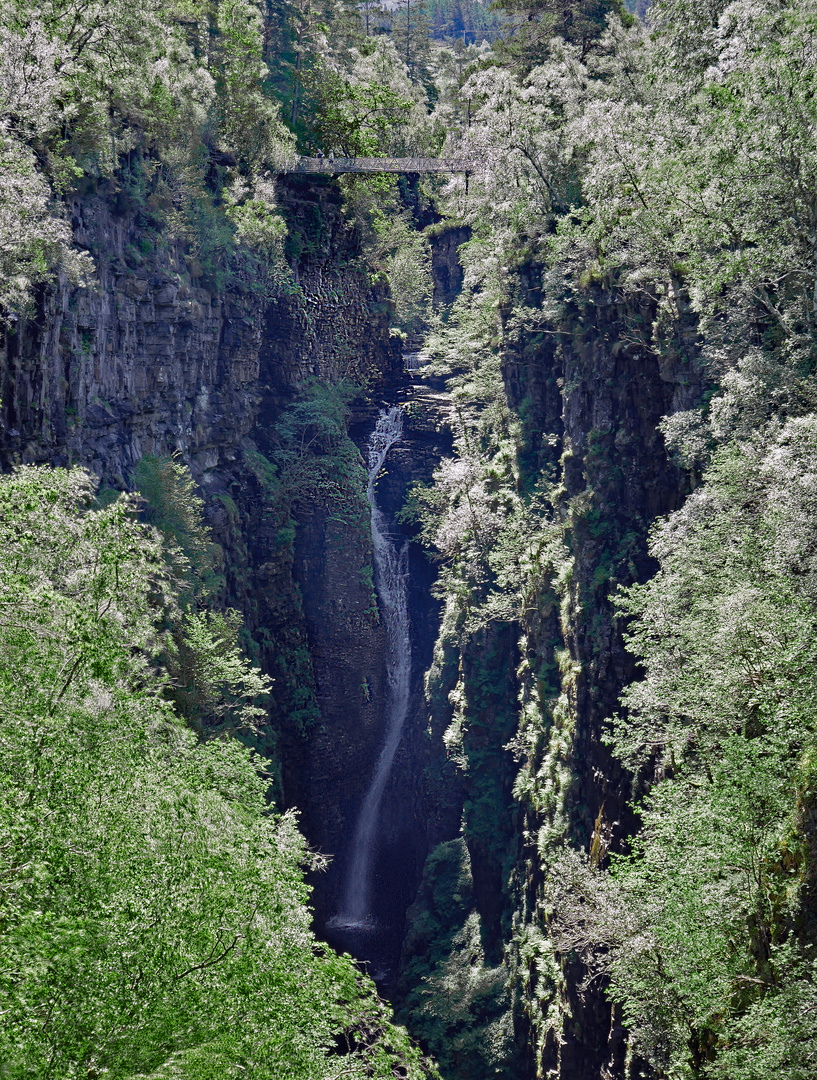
(151, 362)
(389, 826)
(355, 927)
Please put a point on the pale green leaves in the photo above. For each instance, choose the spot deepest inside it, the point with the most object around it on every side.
(152, 908)
(725, 720)
(33, 238)
(217, 687)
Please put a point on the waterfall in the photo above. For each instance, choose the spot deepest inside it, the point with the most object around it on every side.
(391, 579)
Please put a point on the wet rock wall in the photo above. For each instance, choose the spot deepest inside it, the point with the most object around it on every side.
(601, 388)
(522, 706)
(144, 359)
(147, 359)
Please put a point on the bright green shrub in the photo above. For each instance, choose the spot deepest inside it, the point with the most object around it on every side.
(152, 910)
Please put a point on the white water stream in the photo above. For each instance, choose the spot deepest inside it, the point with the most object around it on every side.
(391, 579)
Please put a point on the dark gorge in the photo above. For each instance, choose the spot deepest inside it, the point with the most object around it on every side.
(207, 379)
(407, 574)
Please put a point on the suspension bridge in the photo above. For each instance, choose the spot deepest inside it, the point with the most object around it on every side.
(380, 165)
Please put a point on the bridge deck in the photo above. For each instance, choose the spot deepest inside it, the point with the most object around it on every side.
(374, 165)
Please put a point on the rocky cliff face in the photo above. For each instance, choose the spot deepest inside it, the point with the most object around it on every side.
(151, 360)
(445, 264)
(522, 707)
(616, 478)
(148, 360)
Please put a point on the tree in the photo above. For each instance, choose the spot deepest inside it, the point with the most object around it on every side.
(705, 930)
(411, 31)
(358, 120)
(536, 22)
(153, 908)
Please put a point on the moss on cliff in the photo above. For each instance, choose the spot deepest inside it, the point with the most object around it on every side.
(541, 514)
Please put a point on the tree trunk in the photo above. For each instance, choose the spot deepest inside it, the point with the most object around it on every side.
(297, 81)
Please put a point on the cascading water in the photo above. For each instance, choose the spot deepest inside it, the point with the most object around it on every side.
(391, 579)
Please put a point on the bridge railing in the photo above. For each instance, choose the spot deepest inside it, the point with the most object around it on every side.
(373, 165)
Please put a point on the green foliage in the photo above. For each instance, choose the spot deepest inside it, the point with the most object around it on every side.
(357, 120)
(707, 929)
(367, 581)
(536, 23)
(666, 200)
(499, 544)
(213, 686)
(153, 912)
(176, 510)
(492, 518)
(392, 246)
(314, 457)
(470, 23)
(293, 692)
(457, 1003)
(411, 30)
(143, 98)
(33, 240)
